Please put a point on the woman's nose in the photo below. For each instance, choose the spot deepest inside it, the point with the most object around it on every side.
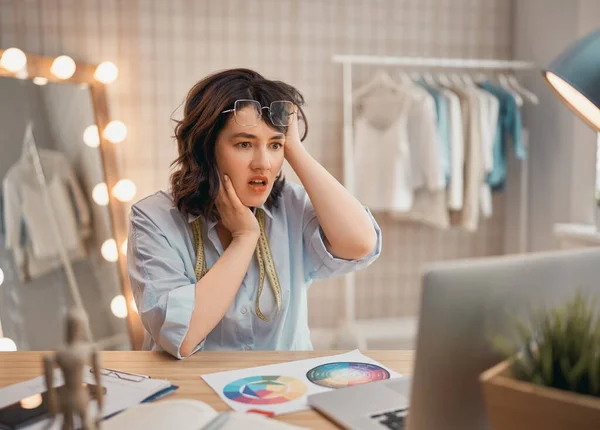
(261, 160)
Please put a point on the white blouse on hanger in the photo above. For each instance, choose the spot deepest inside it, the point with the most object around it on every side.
(28, 231)
(383, 173)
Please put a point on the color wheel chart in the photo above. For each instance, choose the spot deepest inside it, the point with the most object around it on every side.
(344, 374)
(265, 390)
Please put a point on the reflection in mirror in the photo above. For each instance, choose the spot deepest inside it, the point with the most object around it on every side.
(46, 261)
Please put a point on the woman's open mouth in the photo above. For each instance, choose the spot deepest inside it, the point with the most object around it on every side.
(258, 184)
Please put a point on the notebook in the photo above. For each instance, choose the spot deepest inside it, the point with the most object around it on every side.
(189, 414)
(122, 390)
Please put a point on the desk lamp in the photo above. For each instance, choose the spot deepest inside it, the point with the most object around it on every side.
(575, 78)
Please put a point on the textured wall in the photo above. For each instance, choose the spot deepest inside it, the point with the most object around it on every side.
(163, 47)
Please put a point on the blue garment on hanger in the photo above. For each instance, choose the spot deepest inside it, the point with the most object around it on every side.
(443, 128)
(509, 126)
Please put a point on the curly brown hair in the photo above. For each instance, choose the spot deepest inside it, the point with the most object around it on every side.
(195, 180)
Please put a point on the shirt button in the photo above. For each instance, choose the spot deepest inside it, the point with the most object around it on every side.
(243, 311)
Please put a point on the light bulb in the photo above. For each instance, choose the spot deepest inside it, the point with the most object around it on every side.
(133, 306)
(39, 80)
(1, 276)
(106, 72)
(91, 137)
(118, 306)
(109, 250)
(22, 74)
(100, 194)
(13, 60)
(124, 190)
(7, 344)
(63, 67)
(115, 132)
(31, 402)
(124, 247)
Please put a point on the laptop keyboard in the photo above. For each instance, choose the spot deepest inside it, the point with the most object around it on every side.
(394, 420)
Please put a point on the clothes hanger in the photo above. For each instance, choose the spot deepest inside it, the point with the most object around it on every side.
(467, 80)
(481, 78)
(428, 78)
(381, 79)
(405, 78)
(444, 80)
(456, 80)
(415, 76)
(505, 85)
(514, 83)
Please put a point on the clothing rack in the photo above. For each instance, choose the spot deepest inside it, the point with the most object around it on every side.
(394, 328)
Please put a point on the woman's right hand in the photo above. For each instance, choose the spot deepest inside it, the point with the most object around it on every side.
(235, 216)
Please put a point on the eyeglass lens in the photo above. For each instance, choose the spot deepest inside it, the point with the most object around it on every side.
(248, 112)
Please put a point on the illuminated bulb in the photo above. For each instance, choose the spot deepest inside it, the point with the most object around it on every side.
(106, 72)
(109, 250)
(63, 67)
(100, 194)
(22, 74)
(1, 276)
(118, 306)
(124, 247)
(31, 402)
(124, 190)
(133, 306)
(115, 132)
(91, 137)
(13, 60)
(7, 344)
(38, 80)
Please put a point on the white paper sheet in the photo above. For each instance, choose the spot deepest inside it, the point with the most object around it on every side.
(120, 393)
(291, 388)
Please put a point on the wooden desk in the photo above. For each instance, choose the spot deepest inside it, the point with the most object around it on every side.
(20, 366)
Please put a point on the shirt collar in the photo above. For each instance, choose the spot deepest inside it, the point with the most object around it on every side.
(211, 224)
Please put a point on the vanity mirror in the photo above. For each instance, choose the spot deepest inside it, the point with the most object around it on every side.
(63, 206)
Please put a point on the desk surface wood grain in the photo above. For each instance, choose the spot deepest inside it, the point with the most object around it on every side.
(20, 366)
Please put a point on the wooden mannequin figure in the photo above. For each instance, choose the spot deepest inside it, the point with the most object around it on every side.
(73, 397)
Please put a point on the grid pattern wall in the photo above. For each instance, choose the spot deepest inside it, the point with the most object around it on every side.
(163, 47)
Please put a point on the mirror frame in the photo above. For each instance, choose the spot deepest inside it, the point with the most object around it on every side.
(39, 66)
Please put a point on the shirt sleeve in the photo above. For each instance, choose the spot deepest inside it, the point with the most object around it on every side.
(319, 263)
(164, 295)
(12, 214)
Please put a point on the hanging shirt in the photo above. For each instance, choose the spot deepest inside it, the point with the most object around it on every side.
(468, 217)
(509, 127)
(161, 259)
(488, 119)
(382, 158)
(456, 128)
(2, 230)
(442, 129)
(28, 230)
(423, 140)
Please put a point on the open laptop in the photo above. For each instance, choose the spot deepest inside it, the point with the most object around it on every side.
(462, 303)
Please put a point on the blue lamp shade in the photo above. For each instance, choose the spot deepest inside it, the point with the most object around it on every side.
(575, 78)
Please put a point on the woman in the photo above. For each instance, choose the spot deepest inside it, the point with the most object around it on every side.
(229, 210)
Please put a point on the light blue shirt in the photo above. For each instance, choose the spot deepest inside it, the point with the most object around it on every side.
(509, 127)
(443, 129)
(161, 260)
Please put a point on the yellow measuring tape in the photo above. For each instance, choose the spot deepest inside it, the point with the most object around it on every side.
(263, 256)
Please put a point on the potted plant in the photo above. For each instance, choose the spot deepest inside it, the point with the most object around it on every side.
(553, 382)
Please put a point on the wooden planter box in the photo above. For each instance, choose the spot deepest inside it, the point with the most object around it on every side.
(516, 405)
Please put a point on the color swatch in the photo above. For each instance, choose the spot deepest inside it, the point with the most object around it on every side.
(345, 374)
(265, 390)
